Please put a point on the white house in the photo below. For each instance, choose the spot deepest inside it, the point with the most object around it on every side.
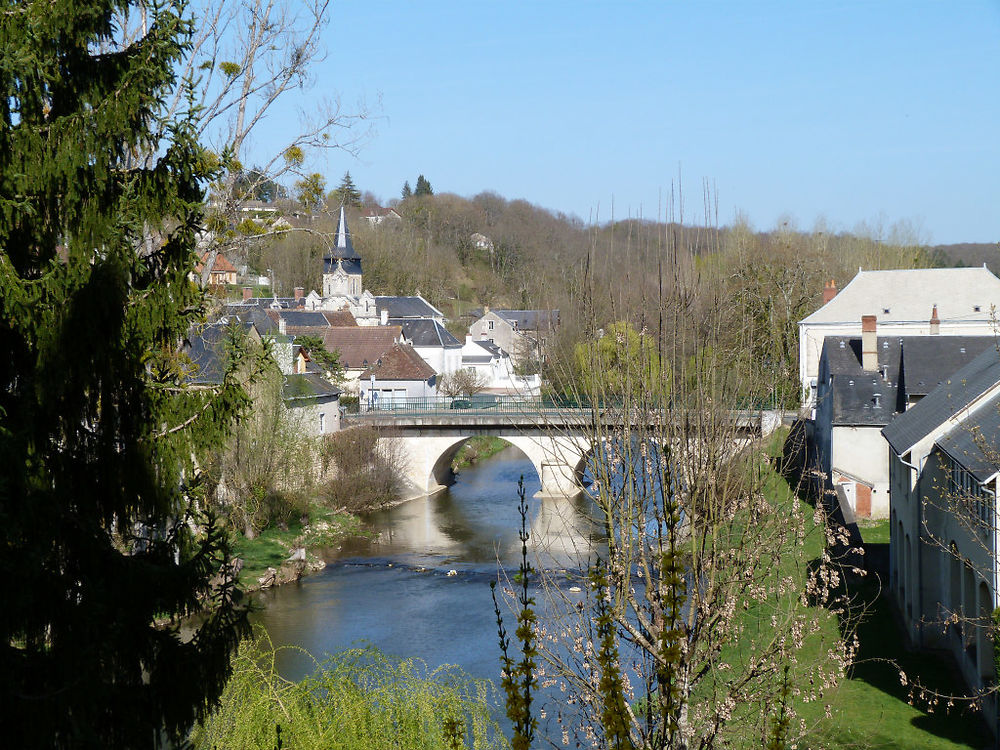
(432, 341)
(398, 374)
(903, 301)
(493, 366)
(943, 470)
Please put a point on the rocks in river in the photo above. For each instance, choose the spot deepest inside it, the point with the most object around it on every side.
(574, 589)
(269, 578)
(452, 573)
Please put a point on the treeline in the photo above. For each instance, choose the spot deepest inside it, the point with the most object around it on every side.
(461, 253)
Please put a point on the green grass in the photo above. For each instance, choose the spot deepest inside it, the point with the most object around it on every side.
(874, 532)
(272, 546)
(476, 449)
(870, 708)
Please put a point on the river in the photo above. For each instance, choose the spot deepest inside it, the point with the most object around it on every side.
(399, 593)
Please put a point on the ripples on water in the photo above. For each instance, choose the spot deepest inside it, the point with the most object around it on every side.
(397, 594)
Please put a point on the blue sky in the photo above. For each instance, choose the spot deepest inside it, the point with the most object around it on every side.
(841, 112)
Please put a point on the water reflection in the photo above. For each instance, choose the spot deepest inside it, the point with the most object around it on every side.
(395, 592)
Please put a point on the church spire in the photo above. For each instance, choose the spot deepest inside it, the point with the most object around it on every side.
(342, 247)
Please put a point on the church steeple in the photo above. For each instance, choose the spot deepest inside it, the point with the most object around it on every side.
(342, 263)
(342, 248)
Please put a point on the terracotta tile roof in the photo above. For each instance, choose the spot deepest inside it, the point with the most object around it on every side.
(340, 318)
(358, 344)
(222, 264)
(400, 363)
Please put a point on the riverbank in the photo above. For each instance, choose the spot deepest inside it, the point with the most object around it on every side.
(280, 555)
(477, 449)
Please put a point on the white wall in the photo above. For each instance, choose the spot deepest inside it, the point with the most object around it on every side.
(862, 453)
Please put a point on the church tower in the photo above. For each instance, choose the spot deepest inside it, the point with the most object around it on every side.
(342, 264)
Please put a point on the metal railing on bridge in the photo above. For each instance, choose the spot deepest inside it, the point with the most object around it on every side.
(445, 405)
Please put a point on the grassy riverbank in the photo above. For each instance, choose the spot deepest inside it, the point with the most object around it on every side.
(325, 529)
(870, 709)
(476, 449)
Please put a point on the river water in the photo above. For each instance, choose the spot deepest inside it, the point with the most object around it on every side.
(399, 593)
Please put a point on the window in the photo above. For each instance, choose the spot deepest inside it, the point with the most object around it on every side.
(490, 324)
(322, 423)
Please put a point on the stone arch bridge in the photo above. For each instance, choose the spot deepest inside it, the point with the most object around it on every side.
(555, 440)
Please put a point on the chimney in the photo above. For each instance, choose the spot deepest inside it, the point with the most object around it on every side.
(829, 291)
(869, 343)
(468, 339)
(486, 309)
(935, 322)
(247, 292)
(281, 326)
(299, 291)
(384, 316)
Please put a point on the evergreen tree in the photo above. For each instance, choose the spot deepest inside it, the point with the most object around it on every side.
(346, 194)
(423, 187)
(100, 202)
(407, 191)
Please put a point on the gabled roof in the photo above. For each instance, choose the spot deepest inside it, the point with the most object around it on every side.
(359, 346)
(523, 320)
(221, 265)
(426, 332)
(340, 318)
(975, 442)
(954, 394)
(908, 295)
(401, 362)
(300, 318)
(407, 307)
(342, 246)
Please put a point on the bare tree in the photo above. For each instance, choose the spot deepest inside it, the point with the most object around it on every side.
(692, 627)
(464, 382)
(247, 58)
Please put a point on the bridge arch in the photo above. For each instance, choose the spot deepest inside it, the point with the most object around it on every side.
(426, 460)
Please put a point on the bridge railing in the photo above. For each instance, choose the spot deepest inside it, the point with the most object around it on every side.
(481, 402)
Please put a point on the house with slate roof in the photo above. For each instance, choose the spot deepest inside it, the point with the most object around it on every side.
(310, 399)
(432, 341)
(520, 333)
(944, 459)
(492, 365)
(398, 374)
(864, 382)
(903, 301)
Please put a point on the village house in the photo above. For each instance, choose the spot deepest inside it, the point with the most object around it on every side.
(432, 341)
(493, 367)
(310, 399)
(399, 374)
(901, 300)
(222, 272)
(944, 460)
(377, 214)
(521, 333)
(359, 347)
(864, 382)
